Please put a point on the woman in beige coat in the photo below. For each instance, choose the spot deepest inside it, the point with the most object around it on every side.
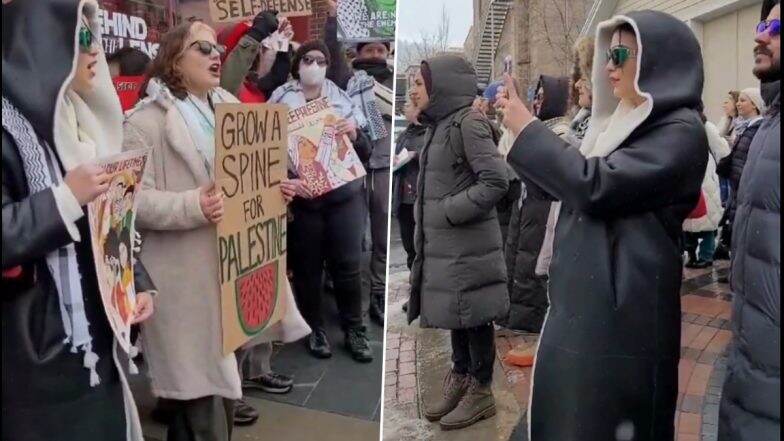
(177, 212)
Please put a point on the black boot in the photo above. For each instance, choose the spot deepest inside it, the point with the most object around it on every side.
(358, 344)
(377, 308)
(318, 344)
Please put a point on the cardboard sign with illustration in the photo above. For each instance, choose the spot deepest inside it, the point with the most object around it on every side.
(112, 218)
(250, 163)
(318, 156)
(227, 11)
(366, 20)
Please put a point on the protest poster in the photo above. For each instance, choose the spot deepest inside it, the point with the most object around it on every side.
(318, 156)
(227, 11)
(111, 217)
(250, 163)
(366, 20)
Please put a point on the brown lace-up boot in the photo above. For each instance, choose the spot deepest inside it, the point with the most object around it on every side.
(455, 386)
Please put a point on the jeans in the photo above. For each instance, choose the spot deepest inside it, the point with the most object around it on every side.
(473, 352)
(378, 206)
(330, 234)
(254, 362)
(405, 216)
(703, 244)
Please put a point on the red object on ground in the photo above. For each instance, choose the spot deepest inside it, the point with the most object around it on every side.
(128, 89)
(12, 273)
(701, 209)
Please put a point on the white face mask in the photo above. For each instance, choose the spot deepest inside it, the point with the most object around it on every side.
(312, 75)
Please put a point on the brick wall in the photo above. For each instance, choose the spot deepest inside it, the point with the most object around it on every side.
(318, 18)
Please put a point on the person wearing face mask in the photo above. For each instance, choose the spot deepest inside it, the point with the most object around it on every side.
(614, 319)
(750, 406)
(252, 68)
(369, 81)
(62, 375)
(750, 107)
(178, 207)
(327, 229)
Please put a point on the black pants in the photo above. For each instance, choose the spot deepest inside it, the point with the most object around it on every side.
(378, 206)
(203, 419)
(331, 234)
(473, 352)
(405, 216)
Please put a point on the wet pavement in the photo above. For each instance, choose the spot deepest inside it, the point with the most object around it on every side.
(706, 311)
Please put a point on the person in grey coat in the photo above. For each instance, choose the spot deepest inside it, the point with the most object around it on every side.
(607, 363)
(751, 400)
(458, 280)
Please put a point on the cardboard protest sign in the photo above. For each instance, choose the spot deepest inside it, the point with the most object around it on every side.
(111, 217)
(366, 20)
(226, 11)
(250, 163)
(318, 156)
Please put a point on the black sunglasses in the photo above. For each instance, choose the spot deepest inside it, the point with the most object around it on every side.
(206, 48)
(309, 60)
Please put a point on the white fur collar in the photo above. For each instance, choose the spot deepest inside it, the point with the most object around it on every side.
(98, 114)
(597, 143)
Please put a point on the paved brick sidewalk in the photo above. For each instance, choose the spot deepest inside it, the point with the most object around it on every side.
(706, 309)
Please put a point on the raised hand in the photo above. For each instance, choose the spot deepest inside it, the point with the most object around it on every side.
(516, 114)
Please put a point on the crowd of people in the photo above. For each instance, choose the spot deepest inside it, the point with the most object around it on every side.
(61, 112)
(573, 219)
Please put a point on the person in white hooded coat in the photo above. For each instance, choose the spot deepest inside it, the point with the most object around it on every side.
(700, 233)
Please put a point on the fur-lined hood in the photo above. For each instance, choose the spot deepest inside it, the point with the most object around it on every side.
(667, 82)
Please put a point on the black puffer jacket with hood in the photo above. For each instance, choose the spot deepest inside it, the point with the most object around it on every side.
(607, 362)
(458, 279)
(46, 388)
(528, 223)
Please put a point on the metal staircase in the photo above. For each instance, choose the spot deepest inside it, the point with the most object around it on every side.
(488, 38)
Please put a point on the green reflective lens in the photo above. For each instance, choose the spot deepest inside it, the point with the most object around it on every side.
(619, 55)
(85, 39)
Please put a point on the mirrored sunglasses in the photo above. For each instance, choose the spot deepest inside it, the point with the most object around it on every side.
(619, 55)
(773, 27)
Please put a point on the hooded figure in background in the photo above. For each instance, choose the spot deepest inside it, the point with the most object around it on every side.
(751, 400)
(607, 362)
(62, 378)
(528, 222)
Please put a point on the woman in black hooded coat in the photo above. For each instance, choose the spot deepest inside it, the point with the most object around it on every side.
(607, 362)
(47, 391)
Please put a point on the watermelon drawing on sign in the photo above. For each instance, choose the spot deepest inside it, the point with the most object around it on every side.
(257, 295)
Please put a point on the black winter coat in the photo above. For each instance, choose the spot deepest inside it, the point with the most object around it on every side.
(458, 279)
(528, 224)
(732, 166)
(607, 361)
(751, 400)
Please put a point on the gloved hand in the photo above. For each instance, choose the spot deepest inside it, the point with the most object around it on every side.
(265, 23)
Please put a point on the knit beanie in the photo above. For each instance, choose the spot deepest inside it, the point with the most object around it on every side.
(754, 94)
(312, 45)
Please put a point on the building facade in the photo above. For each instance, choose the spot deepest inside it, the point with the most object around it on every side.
(537, 34)
(724, 28)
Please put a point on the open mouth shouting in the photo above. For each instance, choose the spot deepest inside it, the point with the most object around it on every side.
(215, 69)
